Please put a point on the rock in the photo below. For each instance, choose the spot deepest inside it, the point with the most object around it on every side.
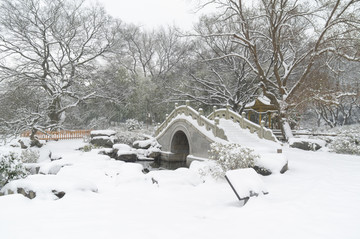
(29, 194)
(52, 168)
(124, 152)
(54, 157)
(271, 163)
(126, 156)
(106, 151)
(33, 168)
(142, 144)
(97, 133)
(22, 144)
(154, 154)
(58, 194)
(36, 142)
(305, 145)
(103, 141)
(262, 171)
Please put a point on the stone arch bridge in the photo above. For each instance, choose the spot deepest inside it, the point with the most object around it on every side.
(186, 134)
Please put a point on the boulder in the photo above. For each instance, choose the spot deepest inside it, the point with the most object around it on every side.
(22, 144)
(124, 152)
(126, 156)
(154, 154)
(27, 193)
(33, 168)
(271, 163)
(52, 168)
(142, 144)
(47, 186)
(305, 144)
(35, 142)
(97, 133)
(54, 157)
(102, 141)
(60, 194)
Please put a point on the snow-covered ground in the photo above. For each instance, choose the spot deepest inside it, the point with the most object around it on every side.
(319, 197)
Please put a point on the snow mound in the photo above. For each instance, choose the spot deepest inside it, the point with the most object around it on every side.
(45, 185)
(53, 167)
(180, 176)
(275, 163)
(130, 173)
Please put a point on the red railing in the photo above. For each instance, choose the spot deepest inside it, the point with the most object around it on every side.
(59, 135)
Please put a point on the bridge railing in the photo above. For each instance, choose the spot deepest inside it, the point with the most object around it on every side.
(244, 123)
(210, 125)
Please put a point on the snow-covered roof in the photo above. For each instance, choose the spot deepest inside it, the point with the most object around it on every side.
(263, 99)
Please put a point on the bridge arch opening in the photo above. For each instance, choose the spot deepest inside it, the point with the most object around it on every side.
(180, 146)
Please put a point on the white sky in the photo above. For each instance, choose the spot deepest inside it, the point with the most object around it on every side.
(153, 13)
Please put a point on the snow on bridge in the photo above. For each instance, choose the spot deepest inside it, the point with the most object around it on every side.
(186, 134)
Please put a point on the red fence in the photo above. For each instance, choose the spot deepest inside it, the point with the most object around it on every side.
(59, 135)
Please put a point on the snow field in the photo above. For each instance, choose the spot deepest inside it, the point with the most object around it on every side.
(317, 198)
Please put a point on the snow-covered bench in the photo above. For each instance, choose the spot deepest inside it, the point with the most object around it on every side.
(245, 183)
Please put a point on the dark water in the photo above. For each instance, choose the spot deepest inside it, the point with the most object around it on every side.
(162, 165)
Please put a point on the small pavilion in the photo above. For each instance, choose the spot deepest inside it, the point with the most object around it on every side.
(259, 107)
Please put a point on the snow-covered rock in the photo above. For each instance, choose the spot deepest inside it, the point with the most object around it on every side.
(306, 144)
(122, 147)
(146, 144)
(271, 163)
(126, 156)
(47, 186)
(33, 168)
(52, 167)
(124, 153)
(246, 183)
(96, 133)
(103, 141)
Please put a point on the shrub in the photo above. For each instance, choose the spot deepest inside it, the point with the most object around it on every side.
(133, 124)
(348, 143)
(11, 168)
(29, 156)
(230, 156)
(89, 147)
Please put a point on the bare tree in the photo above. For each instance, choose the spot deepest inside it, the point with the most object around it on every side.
(285, 38)
(51, 47)
(214, 75)
(152, 61)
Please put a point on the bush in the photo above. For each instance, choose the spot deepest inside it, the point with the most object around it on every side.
(348, 143)
(230, 156)
(133, 124)
(11, 168)
(29, 156)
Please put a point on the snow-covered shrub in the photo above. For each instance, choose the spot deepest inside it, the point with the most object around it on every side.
(133, 124)
(348, 143)
(230, 156)
(29, 156)
(11, 168)
(89, 147)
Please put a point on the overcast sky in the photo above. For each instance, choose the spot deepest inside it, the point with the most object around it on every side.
(154, 13)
